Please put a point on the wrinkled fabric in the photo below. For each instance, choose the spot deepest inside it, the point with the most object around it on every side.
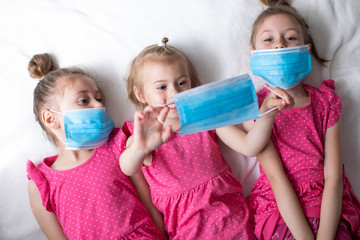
(192, 185)
(94, 200)
(298, 135)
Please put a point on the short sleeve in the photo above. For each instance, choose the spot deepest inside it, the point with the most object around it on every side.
(128, 128)
(119, 139)
(334, 102)
(42, 184)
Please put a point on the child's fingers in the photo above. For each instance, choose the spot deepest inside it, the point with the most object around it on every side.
(285, 96)
(166, 134)
(138, 116)
(148, 109)
(163, 113)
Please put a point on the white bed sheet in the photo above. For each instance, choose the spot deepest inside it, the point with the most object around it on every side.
(103, 36)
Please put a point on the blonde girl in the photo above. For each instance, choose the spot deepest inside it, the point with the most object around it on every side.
(81, 193)
(302, 193)
(190, 182)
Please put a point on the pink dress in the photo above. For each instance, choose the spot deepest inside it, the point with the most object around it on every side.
(299, 135)
(192, 185)
(94, 200)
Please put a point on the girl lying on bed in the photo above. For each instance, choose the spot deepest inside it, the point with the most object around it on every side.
(81, 193)
(304, 194)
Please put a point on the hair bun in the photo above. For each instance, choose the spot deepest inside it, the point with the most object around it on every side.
(40, 65)
(165, 40)
(270, 3)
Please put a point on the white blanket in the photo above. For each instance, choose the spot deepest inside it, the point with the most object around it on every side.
(103, 37)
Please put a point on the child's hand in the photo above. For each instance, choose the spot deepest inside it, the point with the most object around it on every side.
(148, 131)
(274, 100)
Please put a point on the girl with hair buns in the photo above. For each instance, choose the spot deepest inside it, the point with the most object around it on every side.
(190, 182)
(302, 191)
(81, 193)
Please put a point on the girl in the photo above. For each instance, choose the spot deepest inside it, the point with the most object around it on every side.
(305, 194)
(81, 193)
(190, 182)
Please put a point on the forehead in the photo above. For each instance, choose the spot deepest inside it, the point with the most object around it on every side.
(165, 65)
(278, 21)
(75, 83)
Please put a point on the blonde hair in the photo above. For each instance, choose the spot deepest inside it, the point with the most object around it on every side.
(162, 52)
(42, 66)
(283, 7)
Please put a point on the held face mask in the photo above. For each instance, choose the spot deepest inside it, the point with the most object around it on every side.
(217, 104)
(85, 128)
(282, 67)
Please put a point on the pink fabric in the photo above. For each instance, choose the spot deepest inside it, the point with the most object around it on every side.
(94, 200)
(192, 185)
(299, 135)
(343, 232)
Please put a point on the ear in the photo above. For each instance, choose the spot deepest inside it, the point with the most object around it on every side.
(310, 47)
(139, 95)
(50, 120)
(250, 50)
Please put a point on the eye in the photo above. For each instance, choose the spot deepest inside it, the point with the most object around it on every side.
(267, 40)
(100, 100)
(291, 38)
(83, 101)
(161, 87)
(182, 83)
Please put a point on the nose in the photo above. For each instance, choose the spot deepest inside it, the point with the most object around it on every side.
(279, 44)
(174, 90)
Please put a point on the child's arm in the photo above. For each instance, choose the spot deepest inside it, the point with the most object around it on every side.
(285, 196)
(148, 135)
(143, 191)
(332, 195)
(47, 220)
(253, 142)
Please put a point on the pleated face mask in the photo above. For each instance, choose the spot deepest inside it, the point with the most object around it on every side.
(85, 128)
(217, 104)
(282, 67)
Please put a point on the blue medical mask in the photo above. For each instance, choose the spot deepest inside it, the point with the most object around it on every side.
(85, 128)
(217, 104)
(282, 67)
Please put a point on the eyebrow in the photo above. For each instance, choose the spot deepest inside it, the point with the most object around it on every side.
(86, 91)
(288, 29)
(163, 80)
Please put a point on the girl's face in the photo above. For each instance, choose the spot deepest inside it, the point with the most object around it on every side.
(161, 80)
(80, 92)
(278, 31)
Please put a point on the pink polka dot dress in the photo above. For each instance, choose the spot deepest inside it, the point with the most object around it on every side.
(94, 200)
(192, 185)
(299, 136)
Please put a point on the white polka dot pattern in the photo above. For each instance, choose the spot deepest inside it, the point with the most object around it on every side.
(95, 200)
(192, 185)
(299, 135)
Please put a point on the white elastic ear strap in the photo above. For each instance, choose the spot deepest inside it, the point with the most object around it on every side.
(57, 135)
(276, 95)
(158, 118)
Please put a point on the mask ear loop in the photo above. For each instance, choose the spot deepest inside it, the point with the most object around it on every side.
(260, 115)
(56, 134)
(158, 117)
(163, 105)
